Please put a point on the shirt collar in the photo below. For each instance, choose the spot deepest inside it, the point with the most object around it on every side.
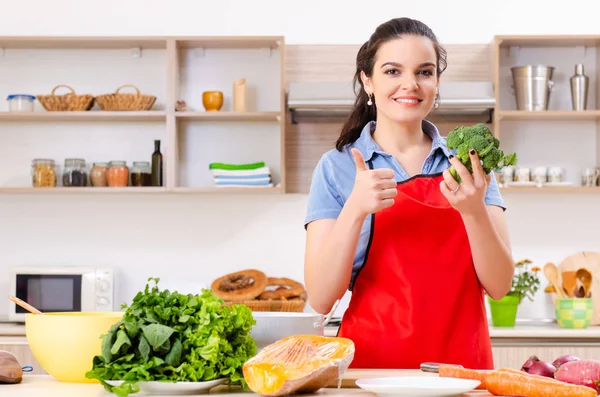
(368, 146)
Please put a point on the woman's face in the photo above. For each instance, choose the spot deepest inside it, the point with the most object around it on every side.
(404, 80)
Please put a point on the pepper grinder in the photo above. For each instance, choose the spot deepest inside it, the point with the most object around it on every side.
(579, 88)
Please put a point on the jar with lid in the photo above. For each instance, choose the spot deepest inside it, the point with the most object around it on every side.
(20, 103)
(98, 174)
(43, 173)
(141, 174)
(75, 173)
(117, 174)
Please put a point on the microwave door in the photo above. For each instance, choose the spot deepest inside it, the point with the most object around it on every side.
(49, 293)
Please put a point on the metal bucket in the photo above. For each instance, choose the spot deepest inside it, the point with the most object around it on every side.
(532, 85)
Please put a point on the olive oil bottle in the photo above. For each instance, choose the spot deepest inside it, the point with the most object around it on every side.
(157, 165)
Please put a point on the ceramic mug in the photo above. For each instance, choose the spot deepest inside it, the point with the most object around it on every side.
(212, 100)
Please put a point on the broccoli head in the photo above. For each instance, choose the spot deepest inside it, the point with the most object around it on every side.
(487, 146)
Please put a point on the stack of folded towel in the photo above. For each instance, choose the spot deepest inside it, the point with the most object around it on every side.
(241, 175)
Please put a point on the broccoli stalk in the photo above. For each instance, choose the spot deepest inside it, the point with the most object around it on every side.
(487, 146)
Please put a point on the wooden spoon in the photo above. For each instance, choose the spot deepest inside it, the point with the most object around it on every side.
(569, 282)
(24, 305)
(551, 273)
(584, 276)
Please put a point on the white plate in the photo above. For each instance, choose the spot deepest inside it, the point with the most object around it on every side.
(173, 388)
(417, 386)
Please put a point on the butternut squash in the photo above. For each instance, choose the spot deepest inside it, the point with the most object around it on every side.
(298, 364)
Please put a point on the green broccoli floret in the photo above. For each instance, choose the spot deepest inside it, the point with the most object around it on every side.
(487, 146)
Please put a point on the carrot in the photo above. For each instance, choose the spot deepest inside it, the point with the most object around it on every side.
(454, 371)
(511, 382)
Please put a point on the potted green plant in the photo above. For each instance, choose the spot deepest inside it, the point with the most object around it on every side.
(525, 284)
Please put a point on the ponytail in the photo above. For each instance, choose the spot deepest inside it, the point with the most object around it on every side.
(361, 112)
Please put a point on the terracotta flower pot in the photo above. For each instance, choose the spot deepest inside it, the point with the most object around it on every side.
(212, 100)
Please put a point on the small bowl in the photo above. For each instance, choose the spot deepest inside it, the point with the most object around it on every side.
(574, 312)
(212, 100)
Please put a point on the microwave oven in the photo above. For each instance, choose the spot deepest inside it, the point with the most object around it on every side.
(61, 289)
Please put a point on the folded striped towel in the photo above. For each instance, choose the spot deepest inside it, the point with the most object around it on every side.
(241, 175)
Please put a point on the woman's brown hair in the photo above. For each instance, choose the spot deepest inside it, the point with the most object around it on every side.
(361, 112)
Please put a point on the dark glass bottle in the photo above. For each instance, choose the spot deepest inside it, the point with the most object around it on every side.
(157, 165)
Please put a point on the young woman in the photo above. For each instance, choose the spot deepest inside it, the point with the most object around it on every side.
(387, 221)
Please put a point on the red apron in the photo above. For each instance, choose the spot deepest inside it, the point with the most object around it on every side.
(417, 298)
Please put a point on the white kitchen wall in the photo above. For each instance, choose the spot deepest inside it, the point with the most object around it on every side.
(190, 240)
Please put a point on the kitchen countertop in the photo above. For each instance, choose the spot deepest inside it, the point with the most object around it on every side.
(38, 385)
(551, 330)
(15, 332)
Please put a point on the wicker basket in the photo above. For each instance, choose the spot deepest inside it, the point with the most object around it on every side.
(67, 102)
(117, 101)
(274, 305)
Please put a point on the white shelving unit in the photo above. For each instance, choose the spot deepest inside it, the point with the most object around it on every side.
(170, 68)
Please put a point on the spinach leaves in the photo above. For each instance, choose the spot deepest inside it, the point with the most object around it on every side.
(168, 336)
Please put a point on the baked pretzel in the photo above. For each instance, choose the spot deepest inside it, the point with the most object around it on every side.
(242, 285)
(287, 289)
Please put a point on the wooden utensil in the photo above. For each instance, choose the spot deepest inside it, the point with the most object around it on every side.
(585, 277)
(569, 282)
(24, 305)
(551, 273)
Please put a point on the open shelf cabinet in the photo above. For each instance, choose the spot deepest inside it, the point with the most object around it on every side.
(171, 69)
(557, 136)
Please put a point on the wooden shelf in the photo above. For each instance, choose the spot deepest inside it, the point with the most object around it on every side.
(83, 43)
(92, 115)
(549, 115)
(224, 42)
(235, 190)
(229, 116)
(139, 190)
(82, 190)
(547, 40)
(551, 189)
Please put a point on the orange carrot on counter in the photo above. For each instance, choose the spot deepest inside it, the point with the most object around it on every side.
(511, 382)
(454, 371)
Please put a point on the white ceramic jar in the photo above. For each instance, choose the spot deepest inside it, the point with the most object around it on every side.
(20, 103)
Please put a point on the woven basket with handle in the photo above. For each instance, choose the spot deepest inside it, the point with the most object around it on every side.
(66, 102)
(118, 101)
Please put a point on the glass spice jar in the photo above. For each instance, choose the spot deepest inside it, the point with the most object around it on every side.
(75, 173)
(98, 174)
(43, 173)
(141, 174)
(117, 174)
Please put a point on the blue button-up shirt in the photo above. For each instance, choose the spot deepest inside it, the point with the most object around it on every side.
(333, 178)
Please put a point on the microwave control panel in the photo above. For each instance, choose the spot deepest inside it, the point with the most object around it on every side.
(104, 289)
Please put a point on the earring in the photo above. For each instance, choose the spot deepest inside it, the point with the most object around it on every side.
(369, 102)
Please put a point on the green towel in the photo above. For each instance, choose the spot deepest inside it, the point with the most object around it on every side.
(224, 166)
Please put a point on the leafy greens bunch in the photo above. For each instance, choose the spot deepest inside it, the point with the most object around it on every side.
(168, 336)
(487, 146)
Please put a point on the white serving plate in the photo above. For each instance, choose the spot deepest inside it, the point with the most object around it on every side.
(173, 388)
(417, 386)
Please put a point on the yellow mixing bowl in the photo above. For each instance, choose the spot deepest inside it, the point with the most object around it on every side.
(65, 343)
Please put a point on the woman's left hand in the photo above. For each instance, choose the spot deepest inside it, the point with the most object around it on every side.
(469, 197)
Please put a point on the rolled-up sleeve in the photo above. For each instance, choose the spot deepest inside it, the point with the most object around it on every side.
(324, 200)
(493, 196)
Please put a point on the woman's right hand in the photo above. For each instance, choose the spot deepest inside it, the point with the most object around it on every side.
(373, 190)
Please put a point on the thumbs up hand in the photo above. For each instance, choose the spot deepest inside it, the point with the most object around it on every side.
(373, 190)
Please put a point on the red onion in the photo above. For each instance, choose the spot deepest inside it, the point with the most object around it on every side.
(564, 359)
(530, 361)
(542, 368)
